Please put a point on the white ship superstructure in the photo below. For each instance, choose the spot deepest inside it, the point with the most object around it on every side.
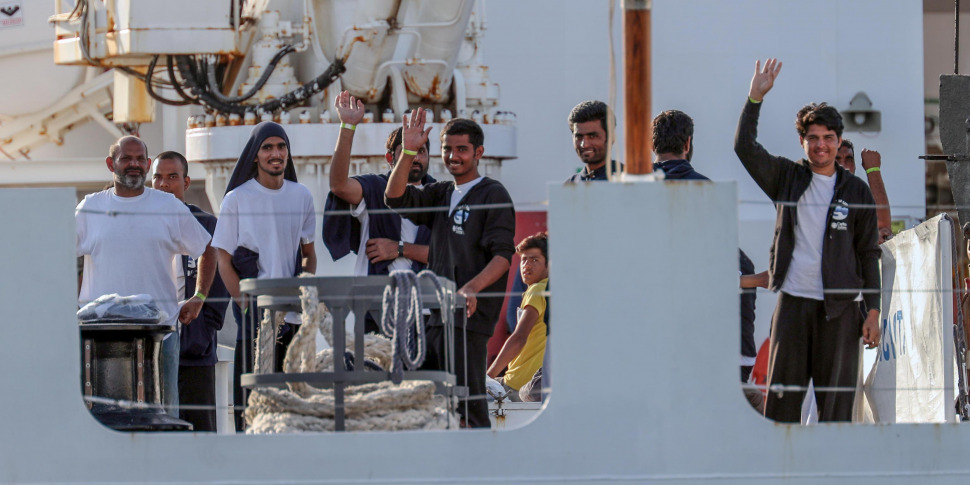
(645, 343)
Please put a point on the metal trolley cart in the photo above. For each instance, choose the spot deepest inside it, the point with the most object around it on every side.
(345, 295)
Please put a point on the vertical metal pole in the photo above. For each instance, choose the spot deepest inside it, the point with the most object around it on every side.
(637, 132)
(956, 36)
(339, 369)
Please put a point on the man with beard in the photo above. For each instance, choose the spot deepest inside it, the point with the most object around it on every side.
(382, 240)
(129, 236)
(823, 255)
(266, 230)
(588, 123)
(472, 224)
(199, 284)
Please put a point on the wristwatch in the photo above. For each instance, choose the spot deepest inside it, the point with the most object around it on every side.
(400, 249)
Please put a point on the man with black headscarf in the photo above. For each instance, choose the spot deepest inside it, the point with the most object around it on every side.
(266, 230)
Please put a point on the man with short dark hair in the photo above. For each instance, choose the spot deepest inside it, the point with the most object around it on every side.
(198, 284)
(590, 123)
(825, 251)
(673, 142)
(266, 229)
(129, 236)
(383, 241)
(872, 164)
(472, 224)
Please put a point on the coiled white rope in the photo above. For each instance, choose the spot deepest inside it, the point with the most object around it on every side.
(402, 319)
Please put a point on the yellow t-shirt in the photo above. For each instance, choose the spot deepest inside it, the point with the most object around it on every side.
(529, 360)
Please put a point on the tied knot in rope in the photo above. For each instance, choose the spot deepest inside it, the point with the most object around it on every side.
(402, 319)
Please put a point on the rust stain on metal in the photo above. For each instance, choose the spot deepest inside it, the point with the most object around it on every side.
(411, 82)
(435, 90)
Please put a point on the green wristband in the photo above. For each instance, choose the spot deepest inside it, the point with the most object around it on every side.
(348, 126)
(409, 152)
(753, 101)
(872, 169)
(200, 296)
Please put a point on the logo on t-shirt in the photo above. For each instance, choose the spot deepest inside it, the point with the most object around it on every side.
(193, 270)
(461, 215)
(839, 212)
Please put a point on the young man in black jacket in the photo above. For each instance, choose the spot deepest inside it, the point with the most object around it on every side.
(472, 225)
(825, 252)
(200, 285)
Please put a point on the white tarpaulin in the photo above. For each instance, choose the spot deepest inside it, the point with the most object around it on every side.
(912, 380)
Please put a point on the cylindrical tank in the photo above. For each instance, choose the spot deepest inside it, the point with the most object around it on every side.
(364, 25)
(442, 25)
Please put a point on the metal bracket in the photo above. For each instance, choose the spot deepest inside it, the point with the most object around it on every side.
(945, 158)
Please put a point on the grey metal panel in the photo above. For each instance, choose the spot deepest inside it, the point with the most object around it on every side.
(954, 112)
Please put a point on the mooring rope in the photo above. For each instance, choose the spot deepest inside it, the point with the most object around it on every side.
(402, 319)
(302, 408)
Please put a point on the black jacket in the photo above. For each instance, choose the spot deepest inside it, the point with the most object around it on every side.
(678, 170)
(682, 170)
(341, 231)
(599, 174)
(850, 250)
(463, 242)
(198, 341)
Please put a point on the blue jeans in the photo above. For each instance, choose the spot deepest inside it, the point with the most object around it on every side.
(168, 364)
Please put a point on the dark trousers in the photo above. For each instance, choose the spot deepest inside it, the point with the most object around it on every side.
(371, 325)
(243, 361)
(806, 345)
(197, 387)
(476, 415)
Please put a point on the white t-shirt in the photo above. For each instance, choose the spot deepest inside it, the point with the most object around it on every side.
(804, 276)
(273, 223)
(460, 191)
(129, 244)
(179, 275)
(409, 232)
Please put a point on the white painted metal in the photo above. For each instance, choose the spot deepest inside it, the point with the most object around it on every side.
(357, 32)
(88, 101)
(439, 27)
(645, 388)
(477, 88)
(319, 139)
(173, 14)
(272, 36)
(225, 422)
(25, 63)
(130, 32)
(90, 173)
(511, 415)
